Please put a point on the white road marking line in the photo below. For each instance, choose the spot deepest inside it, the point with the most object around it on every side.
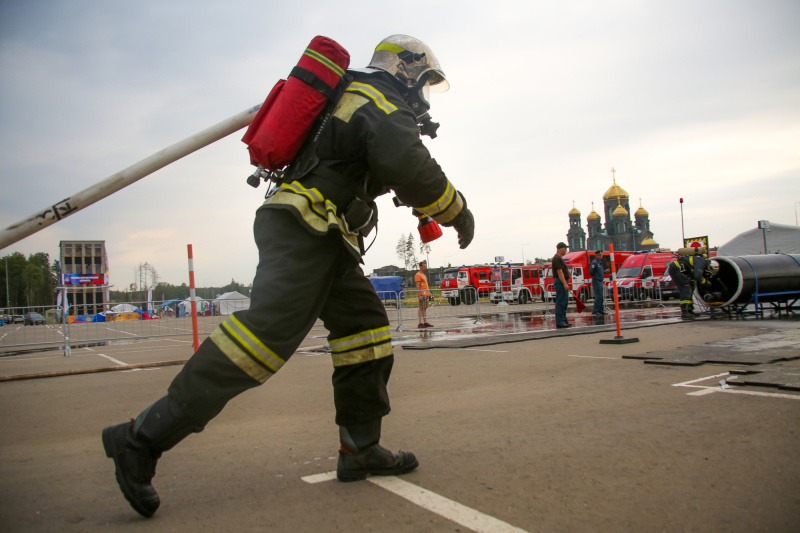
(454, 511)
(116, 361)
(595, 357)
(319, 478)
(479, 350)
(708, 390)
(702, 392)
(756, 393)
(444, 507)
(687, 383)
(120, 331)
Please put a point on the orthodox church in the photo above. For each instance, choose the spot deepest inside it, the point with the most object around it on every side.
(617, 230)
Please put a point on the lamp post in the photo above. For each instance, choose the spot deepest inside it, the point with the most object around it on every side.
(683, 236)
(763, 225)
(7, 293)
(795, 213)
(523, 252)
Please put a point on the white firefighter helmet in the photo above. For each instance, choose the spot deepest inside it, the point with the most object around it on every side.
(713, 268)
(408, 59)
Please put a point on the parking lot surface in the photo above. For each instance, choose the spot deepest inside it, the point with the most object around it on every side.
(547, 433)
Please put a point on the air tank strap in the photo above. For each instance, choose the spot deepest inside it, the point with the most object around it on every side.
(313, 80)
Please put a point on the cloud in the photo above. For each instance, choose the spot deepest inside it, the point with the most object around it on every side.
(685, 99)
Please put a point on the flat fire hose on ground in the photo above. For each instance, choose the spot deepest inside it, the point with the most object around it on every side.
(61, 373)
(69, 206)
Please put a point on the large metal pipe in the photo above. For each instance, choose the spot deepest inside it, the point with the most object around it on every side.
(69, 206)
(774, 277)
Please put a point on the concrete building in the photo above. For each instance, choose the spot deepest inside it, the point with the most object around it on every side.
(618, 229)
(84, 271)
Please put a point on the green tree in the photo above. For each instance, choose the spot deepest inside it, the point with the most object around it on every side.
(27, 282)
(401, 248)
(411, 256)
(424, 248)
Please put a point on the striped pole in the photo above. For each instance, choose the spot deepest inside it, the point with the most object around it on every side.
(193, 299)
(619, 339)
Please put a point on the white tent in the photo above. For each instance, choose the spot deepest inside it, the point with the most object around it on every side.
(123, 308)
(185, 307)
(232, 301)
(780, 238)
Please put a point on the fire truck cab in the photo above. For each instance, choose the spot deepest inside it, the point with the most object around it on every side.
(516, 283)
(640, 273)
(466, 283)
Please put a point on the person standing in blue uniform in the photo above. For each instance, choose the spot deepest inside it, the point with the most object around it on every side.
(597, 272)
(561, 279)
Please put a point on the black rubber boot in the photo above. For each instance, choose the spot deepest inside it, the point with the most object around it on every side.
(137, 445)
(686, 314)
(361, 455)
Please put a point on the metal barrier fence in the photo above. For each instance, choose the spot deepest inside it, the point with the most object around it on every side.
(404, 311)
(131, 321)
(437, 307)
(647, 292)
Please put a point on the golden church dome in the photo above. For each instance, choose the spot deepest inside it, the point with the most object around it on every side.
(649, 242)
(615, 192)
(641, 212)
(593, 215)
(620, 211)
(574, 211)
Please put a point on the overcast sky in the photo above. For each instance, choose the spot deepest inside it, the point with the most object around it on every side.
(697, 99)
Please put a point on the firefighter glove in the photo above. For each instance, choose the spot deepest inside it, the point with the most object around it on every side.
(464, 224)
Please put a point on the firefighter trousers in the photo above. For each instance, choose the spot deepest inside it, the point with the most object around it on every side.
(300, 277)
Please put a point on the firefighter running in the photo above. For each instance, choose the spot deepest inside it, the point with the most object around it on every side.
(309, 254)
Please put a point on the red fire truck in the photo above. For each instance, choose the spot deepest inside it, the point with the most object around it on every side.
(639, 275)
(578, 265)
(464, 284)
(516, 283)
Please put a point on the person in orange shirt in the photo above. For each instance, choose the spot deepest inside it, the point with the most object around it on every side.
(423, 294)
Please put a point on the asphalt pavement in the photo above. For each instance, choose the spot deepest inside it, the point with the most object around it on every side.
(517, 428)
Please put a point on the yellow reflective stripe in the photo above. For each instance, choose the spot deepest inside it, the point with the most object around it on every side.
(447, 207)
(253, 345)
(348, 105)
(390, 47)
(318, 201)
(372, 336)
(451, 212)
(373, 94)
(239, 357)
(441, 204)
(363, 355)
(313, 215)
(316, 198)
(313, 54)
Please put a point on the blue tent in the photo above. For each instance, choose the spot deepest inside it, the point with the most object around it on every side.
(388, 287)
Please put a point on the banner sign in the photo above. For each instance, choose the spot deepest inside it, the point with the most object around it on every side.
(696, 242)
(84, 279)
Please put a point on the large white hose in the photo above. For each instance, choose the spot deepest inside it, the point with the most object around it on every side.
(68, 206)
